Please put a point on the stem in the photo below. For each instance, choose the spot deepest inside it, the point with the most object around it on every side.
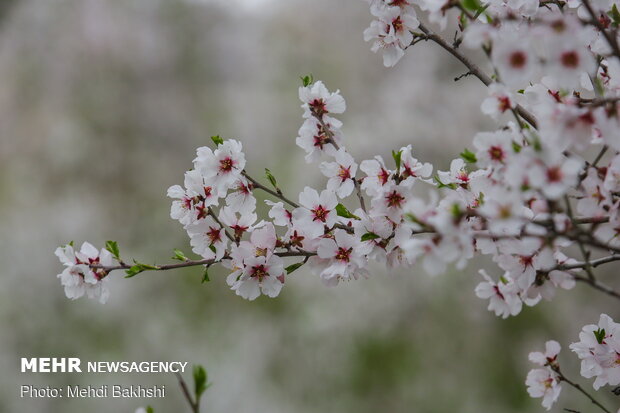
(611, 41)
(194, 263)
(269, 191)
(215, 218)
(578, 387)
(193, 404)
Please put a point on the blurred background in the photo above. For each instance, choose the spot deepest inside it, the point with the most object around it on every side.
(102, 104)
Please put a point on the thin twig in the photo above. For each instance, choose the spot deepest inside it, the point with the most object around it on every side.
(262, 187)
(556, 368)
(186, 393)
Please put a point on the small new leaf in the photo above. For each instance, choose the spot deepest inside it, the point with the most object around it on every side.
(200, 381)
(217, 140)
(397, 157)
(137, 268)
(293, 267)
(342, 211)
(471, 5)
(442, 185)
(112, 246)
(271, 178)
(468, 156)
(614, 14)
(516, 147)
(369, 236)
(205, 276)
(307, 80)
(178, 255)
(599, 335)
(149, 409)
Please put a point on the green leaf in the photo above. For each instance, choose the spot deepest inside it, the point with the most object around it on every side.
(139, 267)
(149, 409)
(112, 246)
(442, 185)
(71, 244)
(516, 147)
(369, 235)
(179, 255)
(468, 156)
(614, 14)
(200, 381)
(307, 80)
(271, 178)
(217, 140)
(342, 211)
(598, 84)
(133, 271)
(599, 335)
(471, 5)
(212, 248)
(397, 157)
(521, 91)
(293, 267)
(205, 276)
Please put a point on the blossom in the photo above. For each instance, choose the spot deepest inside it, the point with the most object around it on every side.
(315, 137)
(499, 101)
(317, 211)
(78, 278)
(513, 57)
(377, 176)
(258, 274)
(411, 169)
(223, 166)
(341, 173)
(391, 32)
(207, 238)
(552, 349)
(345, 256)
(318, 101)
(503, 296)
(598, 349)
(544, 383)
(192, 202)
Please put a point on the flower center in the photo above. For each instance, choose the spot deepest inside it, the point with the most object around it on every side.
(518, 59)
(504, 103)
(259, 271)
(570, 59)
(226, 164)
(344, 173)
(214, 235)
(496, 153)
(320, 213)
(343, 254)
(554, 174)
(317, 108)
(394, 199)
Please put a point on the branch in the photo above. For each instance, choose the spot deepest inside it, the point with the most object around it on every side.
(611, 41)
(193, 404)
(280, 196)
(194, 263)
(556, 368)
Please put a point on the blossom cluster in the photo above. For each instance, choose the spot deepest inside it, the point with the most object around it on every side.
(526, 195)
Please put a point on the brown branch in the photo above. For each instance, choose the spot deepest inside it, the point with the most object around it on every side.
(563, 378)
(186, 393)
(611, 41)
(193, 263)
(262, 187)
